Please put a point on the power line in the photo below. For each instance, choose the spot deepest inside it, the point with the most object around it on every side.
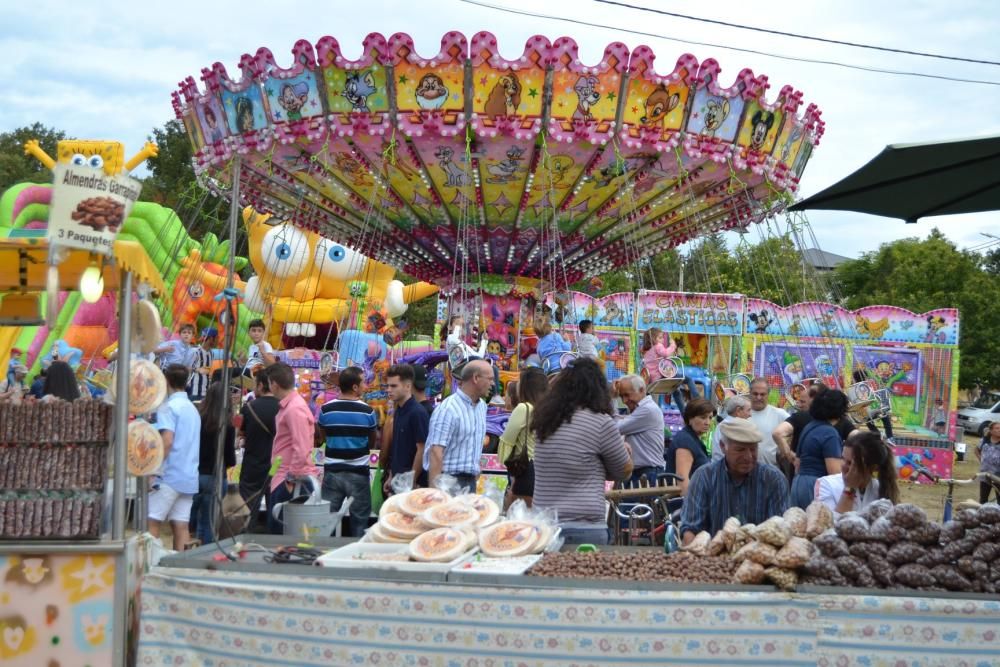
(782, 33)
(833, 63)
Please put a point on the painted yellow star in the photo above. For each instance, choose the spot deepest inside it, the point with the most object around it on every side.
(86, 576)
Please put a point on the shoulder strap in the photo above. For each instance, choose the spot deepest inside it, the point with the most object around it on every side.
(253, 413)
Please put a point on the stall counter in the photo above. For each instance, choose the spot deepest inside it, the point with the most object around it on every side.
(223, 612)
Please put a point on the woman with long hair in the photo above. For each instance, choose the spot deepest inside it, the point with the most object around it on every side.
(577, 448)
(820, 445)
(517, 438)
(60, 382)
(213, 420)
(868, 473)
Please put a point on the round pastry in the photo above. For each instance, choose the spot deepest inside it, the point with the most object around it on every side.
(147, 388)
(453, 513)
(390, 506)
(397, 524)
(439, 545)
(545, 533)
(418, 501)
(145, 448)
(379, 536)
(488, 510)
(509, 538)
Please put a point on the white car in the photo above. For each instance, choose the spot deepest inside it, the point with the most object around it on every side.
(977, 417)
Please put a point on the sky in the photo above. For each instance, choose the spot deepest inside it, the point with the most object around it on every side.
(106, 70)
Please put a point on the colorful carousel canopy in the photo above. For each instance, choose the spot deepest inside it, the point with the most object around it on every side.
(467, 162)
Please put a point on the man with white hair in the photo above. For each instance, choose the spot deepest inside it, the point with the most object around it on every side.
(643, 428)
(736, 485)
(735, 406)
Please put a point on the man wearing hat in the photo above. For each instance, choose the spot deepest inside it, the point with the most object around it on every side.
(13, 387)
(201, 365)
(735, 485)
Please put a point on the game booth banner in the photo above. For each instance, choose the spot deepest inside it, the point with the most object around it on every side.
(909, 360)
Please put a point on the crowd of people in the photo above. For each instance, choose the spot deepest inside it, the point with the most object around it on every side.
(569, 432)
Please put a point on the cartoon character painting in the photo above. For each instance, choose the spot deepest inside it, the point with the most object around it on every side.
(793, 369)
(873, 329)
(357, 87)
(293, 98)
(659, 103)
(716, 112)
(505, 170)
(505, 97)
(454, 174)
(935, 323)
(762, 122)
(587, 96)
(244, 114)
(431, 93)
(761, 320)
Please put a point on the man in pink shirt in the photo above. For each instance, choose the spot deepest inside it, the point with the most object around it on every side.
(294, 438)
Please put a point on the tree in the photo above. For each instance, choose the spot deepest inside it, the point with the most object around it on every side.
(922, 275)
(173, 184)
(15, 166)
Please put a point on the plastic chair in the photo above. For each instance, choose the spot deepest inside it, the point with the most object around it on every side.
(555, 362)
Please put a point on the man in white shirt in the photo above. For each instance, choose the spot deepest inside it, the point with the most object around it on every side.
(766, 418)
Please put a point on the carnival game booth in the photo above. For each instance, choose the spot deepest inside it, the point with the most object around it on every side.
(902, 365)
(70, 572)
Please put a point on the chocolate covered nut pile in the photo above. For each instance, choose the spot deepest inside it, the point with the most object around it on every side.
(653, 566)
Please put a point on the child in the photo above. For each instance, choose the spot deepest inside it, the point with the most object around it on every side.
(15, 360)
(201, 369)
(586, 341)
(551, 345)
(458, 351)
(654, 351)
(177, 351)
(260, 354)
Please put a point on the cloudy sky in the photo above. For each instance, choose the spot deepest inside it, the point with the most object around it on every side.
(106, 70)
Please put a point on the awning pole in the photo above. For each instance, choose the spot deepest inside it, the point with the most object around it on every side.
(120, 434)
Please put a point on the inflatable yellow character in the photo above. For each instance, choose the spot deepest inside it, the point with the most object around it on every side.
(303, 279)
(106, 155)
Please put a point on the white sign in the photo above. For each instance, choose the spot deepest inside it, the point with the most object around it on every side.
(89, 207)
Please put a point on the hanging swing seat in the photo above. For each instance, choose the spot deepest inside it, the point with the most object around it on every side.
(664, 386)
(555, 362)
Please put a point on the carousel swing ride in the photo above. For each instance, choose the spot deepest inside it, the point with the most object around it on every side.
(489, 177)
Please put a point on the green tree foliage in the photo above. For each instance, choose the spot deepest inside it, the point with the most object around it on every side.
(15, 166)
(172, 183)
(922, 275)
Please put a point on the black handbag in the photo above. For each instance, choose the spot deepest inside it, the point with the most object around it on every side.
(518, 461)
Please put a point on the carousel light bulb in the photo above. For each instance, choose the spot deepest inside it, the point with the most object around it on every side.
(92, 284)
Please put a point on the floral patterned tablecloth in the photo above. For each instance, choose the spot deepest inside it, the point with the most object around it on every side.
(194, 617)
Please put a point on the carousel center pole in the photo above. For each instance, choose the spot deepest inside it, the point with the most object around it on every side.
(229, 339)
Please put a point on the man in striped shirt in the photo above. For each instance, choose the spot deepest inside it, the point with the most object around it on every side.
(457, 428)
(735, 485)
(349, 425)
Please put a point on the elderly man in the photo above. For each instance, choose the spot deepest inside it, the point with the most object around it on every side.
(13, 387)
(766, 418)
(736, 485)
(457, 428)
(735, 406)
(643, 428)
